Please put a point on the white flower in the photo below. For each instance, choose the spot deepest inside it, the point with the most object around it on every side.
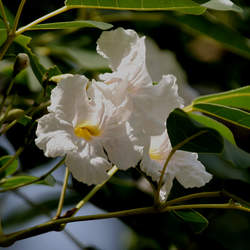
(222, 5)
(151, 104)
(90, 129)
(162, 62)
(184, 166)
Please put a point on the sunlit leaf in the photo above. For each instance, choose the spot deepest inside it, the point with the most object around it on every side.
(72, 25)
(197, 221)
(11, 169)
(181, 128)
(238, 98)
(186, 6)
(15, 181)
(228, 114)
(211, 123)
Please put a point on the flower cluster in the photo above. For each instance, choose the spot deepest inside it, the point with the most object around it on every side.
(119, 119)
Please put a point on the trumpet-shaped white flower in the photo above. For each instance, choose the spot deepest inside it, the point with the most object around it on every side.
(151, 103)
(184, 166)
(90, 129)
(151, 106)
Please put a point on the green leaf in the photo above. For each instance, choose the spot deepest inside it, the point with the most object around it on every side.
(11, 169)
(229, 38)
(181, 128)
(228, 114)
(25, 120)
(197, 221)
(39, 70)
(186, 6)
(238, 98)
(88, 60)
(16, 181)
(219, 167)
(211, 123)
(237, 157)
(3, 36)
(72, 25)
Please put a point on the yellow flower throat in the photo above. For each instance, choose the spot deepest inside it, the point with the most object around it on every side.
(87, 131)
(156, 155)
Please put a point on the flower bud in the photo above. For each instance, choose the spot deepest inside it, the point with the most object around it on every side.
(22, 62)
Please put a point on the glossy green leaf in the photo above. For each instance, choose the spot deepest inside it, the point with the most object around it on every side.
(198, 137)
(238, 98)
(237, 157)
(229, 38)
(228, 114)
(197, 221)
(211, 123)
(186, 6)
(25, 179)
(11, 169)
(72, 25)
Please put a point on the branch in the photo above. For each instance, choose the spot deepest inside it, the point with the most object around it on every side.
(55, 225)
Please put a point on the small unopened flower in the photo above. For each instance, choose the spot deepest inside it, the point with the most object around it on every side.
(184, 166)
(89, 128)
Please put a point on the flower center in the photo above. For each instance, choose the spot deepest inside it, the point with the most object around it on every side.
(87, 131)
(156, 155)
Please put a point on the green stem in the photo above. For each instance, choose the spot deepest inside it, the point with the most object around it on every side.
(18, 14)
(7, 164)
(5, 20)
(7, 93)
(6, 45)
(174, 149)
(12, 35)
(37, 180)
(43, 18)
(9, 126)
(54, 225)
(72, 212)
(193, 196)
(62, 196)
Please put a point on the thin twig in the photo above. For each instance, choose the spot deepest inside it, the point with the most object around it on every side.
(18, 14)
(5, 19)
(63, 191)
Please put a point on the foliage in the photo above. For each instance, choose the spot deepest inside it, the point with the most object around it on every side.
(216, 126)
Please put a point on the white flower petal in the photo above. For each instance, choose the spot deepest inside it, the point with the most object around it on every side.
(126, 53)
(154, 103)
(163, 62)
(222, 5)
(191, 172)
(89, 164)
(54, 137)
(125, 147)
(69, 99)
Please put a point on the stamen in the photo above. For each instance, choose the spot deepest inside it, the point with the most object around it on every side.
(87, 131)
(156, 155)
